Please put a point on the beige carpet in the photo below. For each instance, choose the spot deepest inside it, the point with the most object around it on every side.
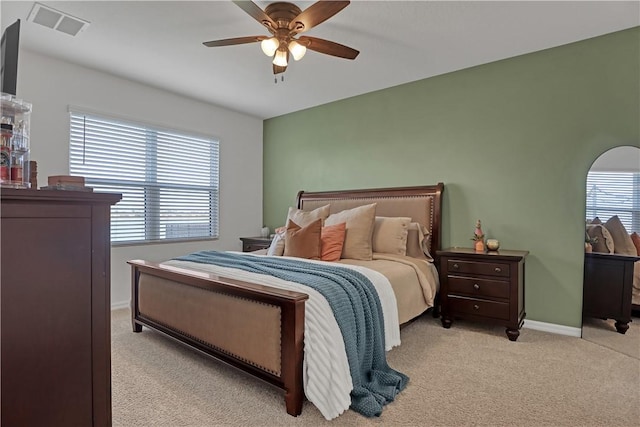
(469, 375)
(603, 332)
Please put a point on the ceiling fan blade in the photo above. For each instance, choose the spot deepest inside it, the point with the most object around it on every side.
(236, 40)
(316, 14)
(256, 13)
(328, 47)
(277, 69)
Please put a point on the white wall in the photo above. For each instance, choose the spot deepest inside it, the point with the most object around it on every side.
(52, 85)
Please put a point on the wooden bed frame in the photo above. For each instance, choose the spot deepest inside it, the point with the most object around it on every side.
(289, 306)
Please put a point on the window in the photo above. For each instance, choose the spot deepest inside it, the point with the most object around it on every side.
(614, 193)
(168, 179)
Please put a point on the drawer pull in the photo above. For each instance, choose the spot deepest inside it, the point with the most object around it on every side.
(476, 286)
(497, 270)
(456, 266)
(476, 306)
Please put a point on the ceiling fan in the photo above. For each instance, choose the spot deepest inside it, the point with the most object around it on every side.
(285, 21)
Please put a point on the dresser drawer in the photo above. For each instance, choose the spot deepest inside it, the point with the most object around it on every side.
(478, 287)
(475, 267)
(479, 307)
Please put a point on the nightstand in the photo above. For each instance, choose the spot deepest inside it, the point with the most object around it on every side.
(250, 244)
(483, 286)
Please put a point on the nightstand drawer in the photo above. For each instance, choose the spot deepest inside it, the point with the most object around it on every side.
(250, 247)
(479, 307)
(250, 244)
(473, 267)
(478, 287)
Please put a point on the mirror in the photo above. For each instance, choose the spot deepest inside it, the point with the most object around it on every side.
(613, 188)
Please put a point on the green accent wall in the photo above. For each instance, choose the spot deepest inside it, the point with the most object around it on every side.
(512, 141)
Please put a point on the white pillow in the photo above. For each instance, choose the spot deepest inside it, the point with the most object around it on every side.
(277, 244)
(390, 235)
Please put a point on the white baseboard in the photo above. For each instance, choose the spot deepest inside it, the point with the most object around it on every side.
(118, 305)
(553, 328)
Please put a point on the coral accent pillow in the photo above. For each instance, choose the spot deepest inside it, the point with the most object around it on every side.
(635, 238)
(390, 235)
(357, 240)
(621, 240)
(332, 237)
(303, 242)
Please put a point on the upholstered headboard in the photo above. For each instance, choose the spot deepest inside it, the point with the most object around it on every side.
(423, 204)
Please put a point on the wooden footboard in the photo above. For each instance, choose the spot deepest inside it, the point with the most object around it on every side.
(257, 329)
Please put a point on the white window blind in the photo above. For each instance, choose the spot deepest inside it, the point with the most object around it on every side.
(614, 193)
(168, 179)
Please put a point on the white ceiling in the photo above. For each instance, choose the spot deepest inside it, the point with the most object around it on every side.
(159, 43)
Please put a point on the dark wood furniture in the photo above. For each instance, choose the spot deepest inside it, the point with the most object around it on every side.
(250, 244)
(55, 308)
(608, 281)
(426, 201)
(483, 286)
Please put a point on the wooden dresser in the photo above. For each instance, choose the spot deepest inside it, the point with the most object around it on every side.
(483, 286)
(55, 308)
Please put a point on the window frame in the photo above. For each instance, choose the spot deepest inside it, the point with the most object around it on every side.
(151, 187)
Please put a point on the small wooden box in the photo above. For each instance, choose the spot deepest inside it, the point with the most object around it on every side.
(66, 180)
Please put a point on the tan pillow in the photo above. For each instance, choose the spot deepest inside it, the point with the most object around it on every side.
(418, 242)
(303, 242)
(604, 241)
(303, 218)
(390, 235)
(621, 240)
(635, 238)
(360, 221)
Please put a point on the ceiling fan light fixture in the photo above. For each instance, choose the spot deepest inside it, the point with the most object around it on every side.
(269, 46)
(280, 59)
(297, 50)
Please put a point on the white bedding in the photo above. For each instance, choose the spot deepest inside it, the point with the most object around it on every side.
(327, 381)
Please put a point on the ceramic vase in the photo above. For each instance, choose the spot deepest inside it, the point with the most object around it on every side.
(479, 246)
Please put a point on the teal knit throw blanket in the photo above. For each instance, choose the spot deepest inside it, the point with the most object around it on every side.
(356, 307)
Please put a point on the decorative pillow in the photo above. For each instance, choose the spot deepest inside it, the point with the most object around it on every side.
(303, 242)
(332, 238)
(418, 242)
(621, 240)
(635, 238)
(604, 242)
(360, 221)
(595, 220)
(277, 244)
(303, 218)
(390, 235)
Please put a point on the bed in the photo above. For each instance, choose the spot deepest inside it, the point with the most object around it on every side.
(257, 323)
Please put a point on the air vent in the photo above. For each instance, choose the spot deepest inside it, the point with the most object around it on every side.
(56, 20)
